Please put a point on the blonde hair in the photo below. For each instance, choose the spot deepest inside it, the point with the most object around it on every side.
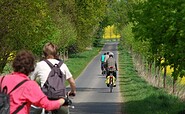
(50, 49)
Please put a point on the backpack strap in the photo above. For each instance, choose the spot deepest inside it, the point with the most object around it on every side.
(19, 84)
(1, 83)
(20, 107)
(60, 63)
(51, 65)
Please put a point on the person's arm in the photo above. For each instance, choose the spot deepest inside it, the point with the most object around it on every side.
(73, 86)
(35, 96)
(116, 66)
(70, 79)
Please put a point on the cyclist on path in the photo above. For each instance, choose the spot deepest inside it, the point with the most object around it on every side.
(111, 68)
(42, 69)
(29, 92)
(103, 62)
(111, 62)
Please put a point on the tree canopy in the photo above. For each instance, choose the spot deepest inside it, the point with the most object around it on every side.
(29, 24)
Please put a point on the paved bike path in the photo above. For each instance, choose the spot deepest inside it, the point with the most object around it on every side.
(93, 96)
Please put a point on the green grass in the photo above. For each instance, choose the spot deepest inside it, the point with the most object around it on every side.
(77, 62)
(141, 98)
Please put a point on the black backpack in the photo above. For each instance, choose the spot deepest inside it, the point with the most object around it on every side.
(5, 98)
(54, 87)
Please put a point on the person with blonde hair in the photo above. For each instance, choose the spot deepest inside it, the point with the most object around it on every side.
(42, 69)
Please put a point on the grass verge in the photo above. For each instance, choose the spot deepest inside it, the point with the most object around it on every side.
(141, 98)
(77, 62)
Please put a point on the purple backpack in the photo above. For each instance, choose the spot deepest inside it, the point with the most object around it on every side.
(54, 87)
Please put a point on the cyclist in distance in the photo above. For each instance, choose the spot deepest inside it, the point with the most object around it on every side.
(42, 69)
(111, 53)
(103, 62)
(111, 62)
(106, 57)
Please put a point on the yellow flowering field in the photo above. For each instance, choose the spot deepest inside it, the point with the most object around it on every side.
(109, 33)
(169, 73)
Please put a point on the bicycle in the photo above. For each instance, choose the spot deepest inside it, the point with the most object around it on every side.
(38, 110)
(111, 80)
(104, 72)
(69, 106)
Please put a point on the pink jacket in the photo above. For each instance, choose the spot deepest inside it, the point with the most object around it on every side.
(29, 92)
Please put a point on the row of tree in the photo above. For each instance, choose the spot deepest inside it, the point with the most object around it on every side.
(28, 24)
(154, 29)
(160, 23)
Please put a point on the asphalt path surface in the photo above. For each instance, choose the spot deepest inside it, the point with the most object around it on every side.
(93, 96)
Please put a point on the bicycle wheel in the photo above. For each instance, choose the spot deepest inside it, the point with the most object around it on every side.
(104, 72)
(111, 84)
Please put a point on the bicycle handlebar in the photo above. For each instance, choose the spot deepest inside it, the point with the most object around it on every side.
(72, 94)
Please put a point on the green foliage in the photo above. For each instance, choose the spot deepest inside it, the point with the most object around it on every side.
(23, 24)
(64, 33)
(117, 14)
(161, 24)
(29, 24)
(89, 14)
(141, 98)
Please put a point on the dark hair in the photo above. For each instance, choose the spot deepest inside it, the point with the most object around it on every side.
(104, 53)
(24, 62)
(50, 49)
(111, 55)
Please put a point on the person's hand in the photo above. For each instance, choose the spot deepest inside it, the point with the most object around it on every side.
(66, 102)
(70, 93)
(62, 101)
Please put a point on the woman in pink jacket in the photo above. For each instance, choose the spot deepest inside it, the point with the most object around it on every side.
(29, 92)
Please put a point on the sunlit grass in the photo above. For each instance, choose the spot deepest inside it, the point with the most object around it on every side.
(78, 62)
(141, 98)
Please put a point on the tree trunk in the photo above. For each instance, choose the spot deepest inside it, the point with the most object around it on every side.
(157, 62)
(174, 82)
(67, 55)
(164, 77)
(159, 75)
(150, 68)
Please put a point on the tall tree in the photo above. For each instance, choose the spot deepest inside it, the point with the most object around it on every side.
(161, 23)
(22, 24)
(89, 14)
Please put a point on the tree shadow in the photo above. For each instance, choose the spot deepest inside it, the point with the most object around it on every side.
(96, 108)
(155, 104)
